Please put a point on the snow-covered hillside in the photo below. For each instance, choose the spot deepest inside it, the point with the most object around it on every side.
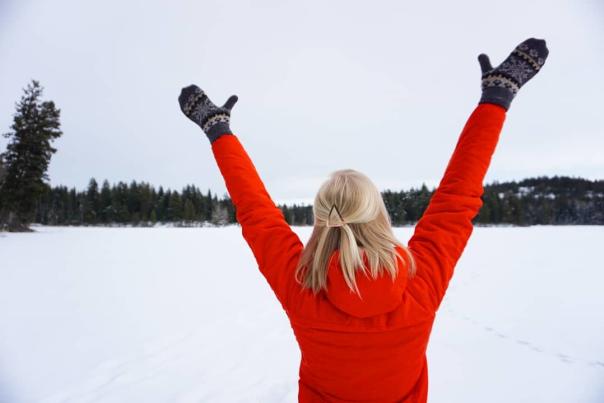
(183, 315)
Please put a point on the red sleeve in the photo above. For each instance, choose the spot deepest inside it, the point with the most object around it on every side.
(274, 245)
(441, 234)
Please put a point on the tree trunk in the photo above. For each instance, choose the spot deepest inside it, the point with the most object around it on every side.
(14, 223)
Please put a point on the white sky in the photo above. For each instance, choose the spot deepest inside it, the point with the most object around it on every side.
(384, 89)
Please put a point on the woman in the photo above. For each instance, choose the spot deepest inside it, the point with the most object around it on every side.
(361, 304)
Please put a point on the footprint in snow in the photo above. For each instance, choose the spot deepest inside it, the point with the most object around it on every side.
(565, 358)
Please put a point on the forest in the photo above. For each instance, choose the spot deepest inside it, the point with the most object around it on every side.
(558, 200)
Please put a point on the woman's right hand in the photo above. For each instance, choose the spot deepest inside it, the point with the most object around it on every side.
(213, 120)
(500, 84)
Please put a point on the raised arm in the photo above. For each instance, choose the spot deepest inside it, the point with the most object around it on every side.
(441, 234)
(443, 231)
(273, 243)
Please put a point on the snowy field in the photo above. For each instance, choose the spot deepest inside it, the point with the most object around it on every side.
(183, 315)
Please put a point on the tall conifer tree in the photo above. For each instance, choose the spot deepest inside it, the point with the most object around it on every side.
(35, 125)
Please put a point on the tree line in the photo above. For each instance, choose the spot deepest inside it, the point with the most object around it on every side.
(542, 200)
(26, 196)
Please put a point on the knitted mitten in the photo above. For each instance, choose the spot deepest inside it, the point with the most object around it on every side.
(213, 120)
(500, 84)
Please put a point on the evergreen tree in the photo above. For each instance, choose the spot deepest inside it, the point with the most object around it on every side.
(175, 210)
(220, 215)
(153, 217)
(2, 176)
(105, 210)
(133, 202)
(35, 125)
(72, 207)
(206, 212)
(189, 211)
(146, 201)
(163, 213)
(91, 210)
(119, 203)
(2, 172)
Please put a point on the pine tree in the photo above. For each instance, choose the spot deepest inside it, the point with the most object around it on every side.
(220, 215)
(106, 213)
(35, 125)
(91, 211)
(189, 211)
(175, 210)
(153, 217)
(2, 172)
(146, 201)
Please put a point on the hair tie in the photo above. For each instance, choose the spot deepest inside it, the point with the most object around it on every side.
(339, 220)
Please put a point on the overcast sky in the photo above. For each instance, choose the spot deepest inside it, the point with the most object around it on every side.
(382, 88)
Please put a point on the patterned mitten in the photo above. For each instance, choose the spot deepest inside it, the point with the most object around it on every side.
(500, 84)
(213, 120)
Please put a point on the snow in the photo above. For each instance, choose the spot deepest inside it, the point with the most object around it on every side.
(524, 190)
(90, 314)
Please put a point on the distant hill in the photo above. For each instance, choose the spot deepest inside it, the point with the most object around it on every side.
(540, 200)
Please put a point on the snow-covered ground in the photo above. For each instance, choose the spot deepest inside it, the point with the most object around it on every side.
(183, 315)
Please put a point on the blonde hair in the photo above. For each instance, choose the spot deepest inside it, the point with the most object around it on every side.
(351, 200)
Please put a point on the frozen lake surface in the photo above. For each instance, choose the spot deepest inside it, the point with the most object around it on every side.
(183, 315)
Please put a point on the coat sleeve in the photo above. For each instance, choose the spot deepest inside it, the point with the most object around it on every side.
(273, 243)
(441, 234)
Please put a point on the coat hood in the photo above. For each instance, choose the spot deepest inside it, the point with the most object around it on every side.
(378, 296)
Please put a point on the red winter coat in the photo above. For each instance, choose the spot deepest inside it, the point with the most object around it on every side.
(372, 350)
